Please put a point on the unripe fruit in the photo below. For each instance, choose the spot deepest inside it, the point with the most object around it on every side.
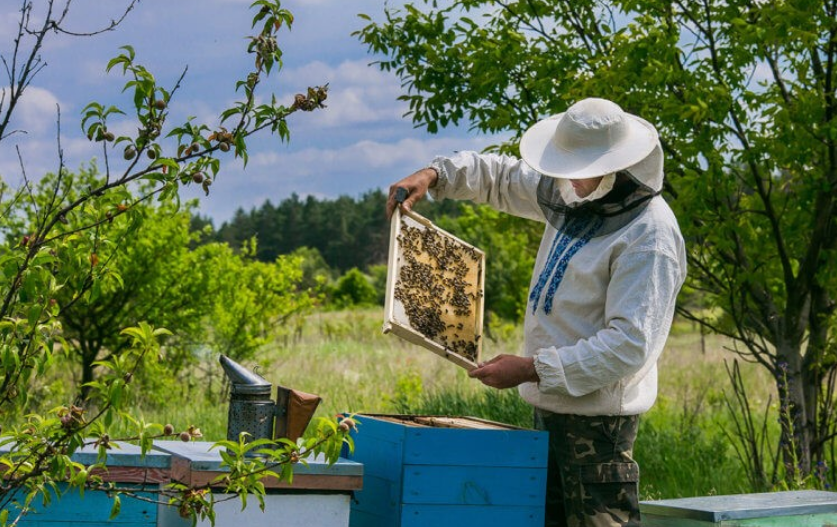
(130, 153)
(197, 177)
(346, 424)
(160, 104)
(168, 430)
(224, 147)
(185, 437)
(151, 153)
(109, 136)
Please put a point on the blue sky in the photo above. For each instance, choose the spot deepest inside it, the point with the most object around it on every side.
(360, 142)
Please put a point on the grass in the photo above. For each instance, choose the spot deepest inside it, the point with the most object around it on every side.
(343, 356)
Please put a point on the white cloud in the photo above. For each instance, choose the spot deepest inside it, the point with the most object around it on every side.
(363, 156)
(36, 111)
(358, 93)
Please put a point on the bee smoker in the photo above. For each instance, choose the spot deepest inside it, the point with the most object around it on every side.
(253, 411)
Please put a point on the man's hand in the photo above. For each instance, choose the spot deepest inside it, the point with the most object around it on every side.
(416, 185)
(506, 371)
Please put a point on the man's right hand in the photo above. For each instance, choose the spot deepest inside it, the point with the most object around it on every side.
(416, 185)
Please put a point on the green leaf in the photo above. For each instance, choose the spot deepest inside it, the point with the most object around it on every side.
(116, 508)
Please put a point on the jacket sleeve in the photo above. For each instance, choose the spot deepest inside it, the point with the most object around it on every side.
(638, 314)
(503, 182)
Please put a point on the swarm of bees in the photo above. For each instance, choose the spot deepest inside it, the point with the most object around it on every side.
(433, 288)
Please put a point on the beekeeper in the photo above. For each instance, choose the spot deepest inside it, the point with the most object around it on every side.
(601, 299)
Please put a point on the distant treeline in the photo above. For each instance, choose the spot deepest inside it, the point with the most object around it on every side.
(348, 232)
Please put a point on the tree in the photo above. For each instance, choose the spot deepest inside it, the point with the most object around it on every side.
(336, 228)
(216, 298)
(57, 255)
(743, 94)
(354, 289)
(253, 300)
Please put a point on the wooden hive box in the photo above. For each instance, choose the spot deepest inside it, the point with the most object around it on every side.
(319, 495)
(448, 471)
(127, 467)
(802, 508)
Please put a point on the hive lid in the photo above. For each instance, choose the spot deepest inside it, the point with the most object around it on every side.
(744, 506)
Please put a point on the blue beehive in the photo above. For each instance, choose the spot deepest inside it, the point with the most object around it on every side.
(126, 466)
(448, 471)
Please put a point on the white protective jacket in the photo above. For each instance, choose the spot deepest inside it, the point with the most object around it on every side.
(596, 350)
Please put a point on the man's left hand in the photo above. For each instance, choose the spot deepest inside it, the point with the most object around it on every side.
(506, 371)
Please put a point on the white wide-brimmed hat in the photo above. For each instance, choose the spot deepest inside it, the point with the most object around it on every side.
(594, 137)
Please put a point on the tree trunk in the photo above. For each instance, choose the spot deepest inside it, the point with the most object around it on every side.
(796, 414)
(88, 357)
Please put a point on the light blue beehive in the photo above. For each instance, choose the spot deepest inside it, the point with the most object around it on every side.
(804, 508)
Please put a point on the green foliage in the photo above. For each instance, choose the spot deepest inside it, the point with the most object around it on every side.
(378, 275)
(92, 271)
(681, 459)
(407, 396)
(354, 289)
(252, 301)
(743, 98)
(218, 300)
(315, 271)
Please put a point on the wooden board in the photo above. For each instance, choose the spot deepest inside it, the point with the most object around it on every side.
(435, 289)
(199, 463)
(442, 421)
(68, 507)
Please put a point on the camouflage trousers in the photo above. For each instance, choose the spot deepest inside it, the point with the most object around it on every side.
(592, 480)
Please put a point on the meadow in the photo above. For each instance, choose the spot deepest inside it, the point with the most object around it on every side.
(684, 446)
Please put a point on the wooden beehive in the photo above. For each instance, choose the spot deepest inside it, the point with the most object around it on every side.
(127, 467)
(797, 508)
(318, 496)
(435, 289)
(447, 472)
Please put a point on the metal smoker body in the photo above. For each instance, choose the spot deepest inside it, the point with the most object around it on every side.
(253, 411)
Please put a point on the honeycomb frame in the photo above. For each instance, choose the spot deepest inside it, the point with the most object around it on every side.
(435, 289)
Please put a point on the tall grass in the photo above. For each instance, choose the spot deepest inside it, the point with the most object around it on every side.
(682, 447)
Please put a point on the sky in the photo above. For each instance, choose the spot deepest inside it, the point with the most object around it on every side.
(361, 142)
